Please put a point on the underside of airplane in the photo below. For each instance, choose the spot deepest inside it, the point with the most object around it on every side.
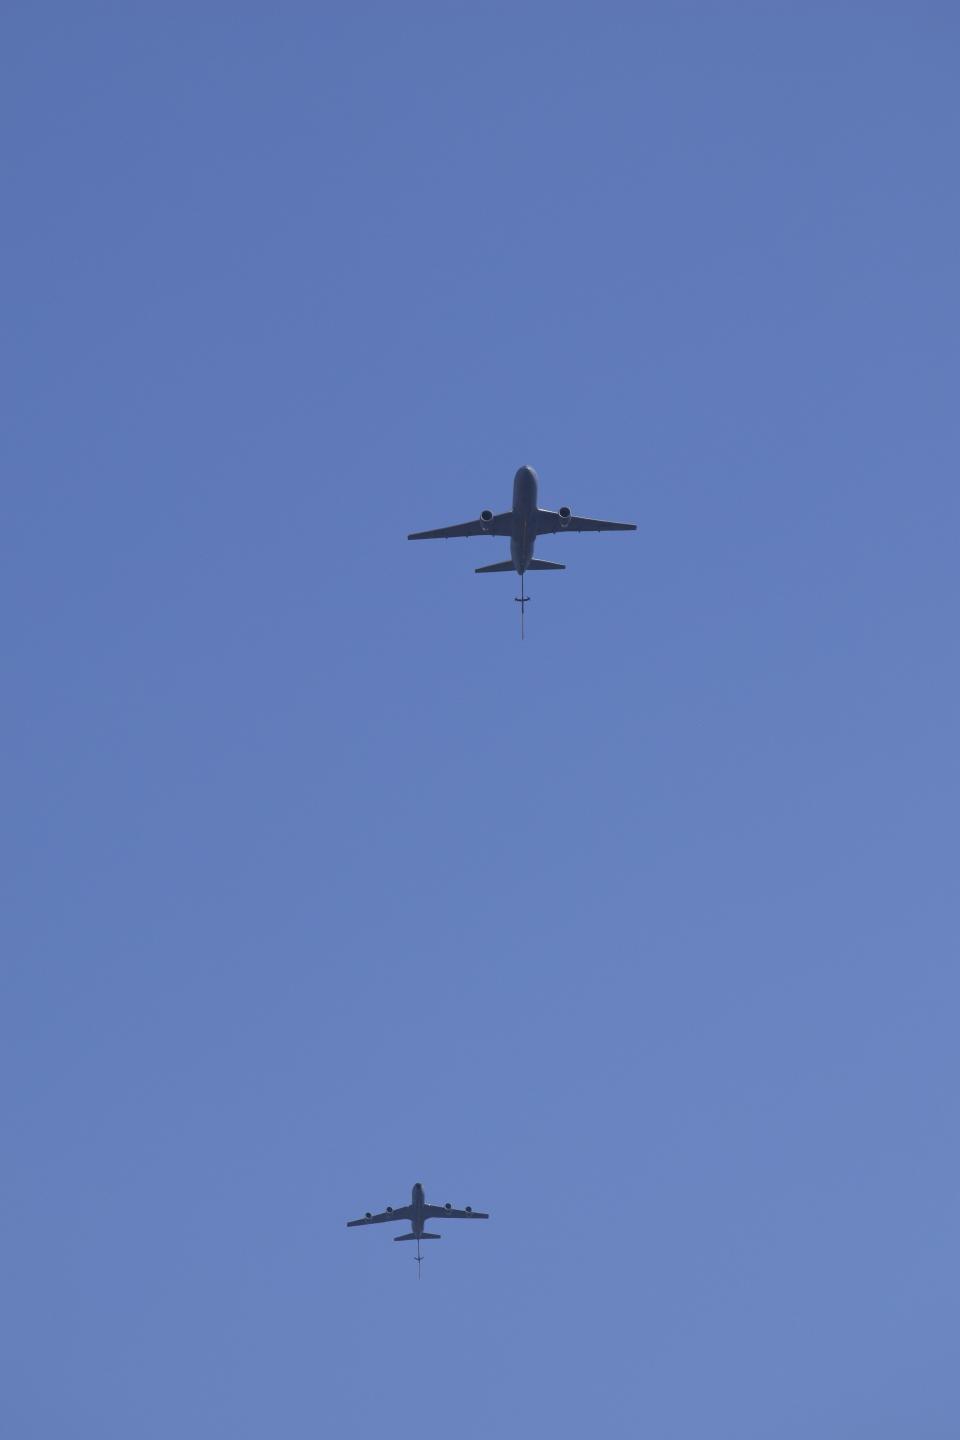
(522, 525)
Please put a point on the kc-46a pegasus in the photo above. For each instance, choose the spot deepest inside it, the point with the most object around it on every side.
(522, 524)
(418, 1212)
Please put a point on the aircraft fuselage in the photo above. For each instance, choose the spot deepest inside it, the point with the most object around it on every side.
(523, 535)
(417, 1202)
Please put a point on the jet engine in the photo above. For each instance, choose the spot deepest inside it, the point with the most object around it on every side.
(469, 1209)
(486, 518)
(389, 1209)
(564, 513)
(369, 1214)
(448, 1206)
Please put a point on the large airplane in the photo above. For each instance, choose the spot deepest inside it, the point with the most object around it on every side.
(418, 1212)
(523, 523)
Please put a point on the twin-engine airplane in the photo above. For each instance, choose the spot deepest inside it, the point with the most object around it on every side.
(418, 1212)
(522, 524)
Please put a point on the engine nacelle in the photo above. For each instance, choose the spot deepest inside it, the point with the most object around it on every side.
(369, 1214)
(469, 1209)
(389, 1209)
(448, 1206)
(486, 518)
(564, 513)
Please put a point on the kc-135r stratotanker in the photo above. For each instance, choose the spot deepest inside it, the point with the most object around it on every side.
(418, 1212)
(522, 524)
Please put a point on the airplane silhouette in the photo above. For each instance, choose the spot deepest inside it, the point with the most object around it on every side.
(418, 1212)
(523, 524)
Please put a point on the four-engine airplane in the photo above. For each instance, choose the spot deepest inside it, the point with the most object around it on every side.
(418, 1212)
(523, 523)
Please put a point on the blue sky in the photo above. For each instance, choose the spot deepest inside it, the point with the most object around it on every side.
(641, 935)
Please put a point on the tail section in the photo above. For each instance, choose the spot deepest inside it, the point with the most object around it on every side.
(424, 1236)
(509, 565)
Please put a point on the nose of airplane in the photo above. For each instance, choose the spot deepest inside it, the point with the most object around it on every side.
(526, 472)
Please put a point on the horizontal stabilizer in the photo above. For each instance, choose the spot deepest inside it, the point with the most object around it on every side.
(489, 569)
(545, 565)
(424, 1236)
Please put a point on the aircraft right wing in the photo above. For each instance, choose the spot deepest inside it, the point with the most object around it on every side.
(447, 1212)
(496, 525)
(551, 522)
(403, 1212)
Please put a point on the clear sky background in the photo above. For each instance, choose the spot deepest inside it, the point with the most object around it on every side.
(641, 935)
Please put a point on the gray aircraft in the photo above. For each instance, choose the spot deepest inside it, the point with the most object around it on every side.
(418, 1212)
(522, 524)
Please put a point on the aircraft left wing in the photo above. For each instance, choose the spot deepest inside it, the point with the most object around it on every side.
(402, 1212)
(447, 1212)
(551, 522)
(496, 525)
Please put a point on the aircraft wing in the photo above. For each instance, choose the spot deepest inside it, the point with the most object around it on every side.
(549, 522)
(499, 525)
(403, 1212)
(446, 1212)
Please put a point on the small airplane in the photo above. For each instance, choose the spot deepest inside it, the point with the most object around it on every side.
(523, 524)
(418, 1212)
